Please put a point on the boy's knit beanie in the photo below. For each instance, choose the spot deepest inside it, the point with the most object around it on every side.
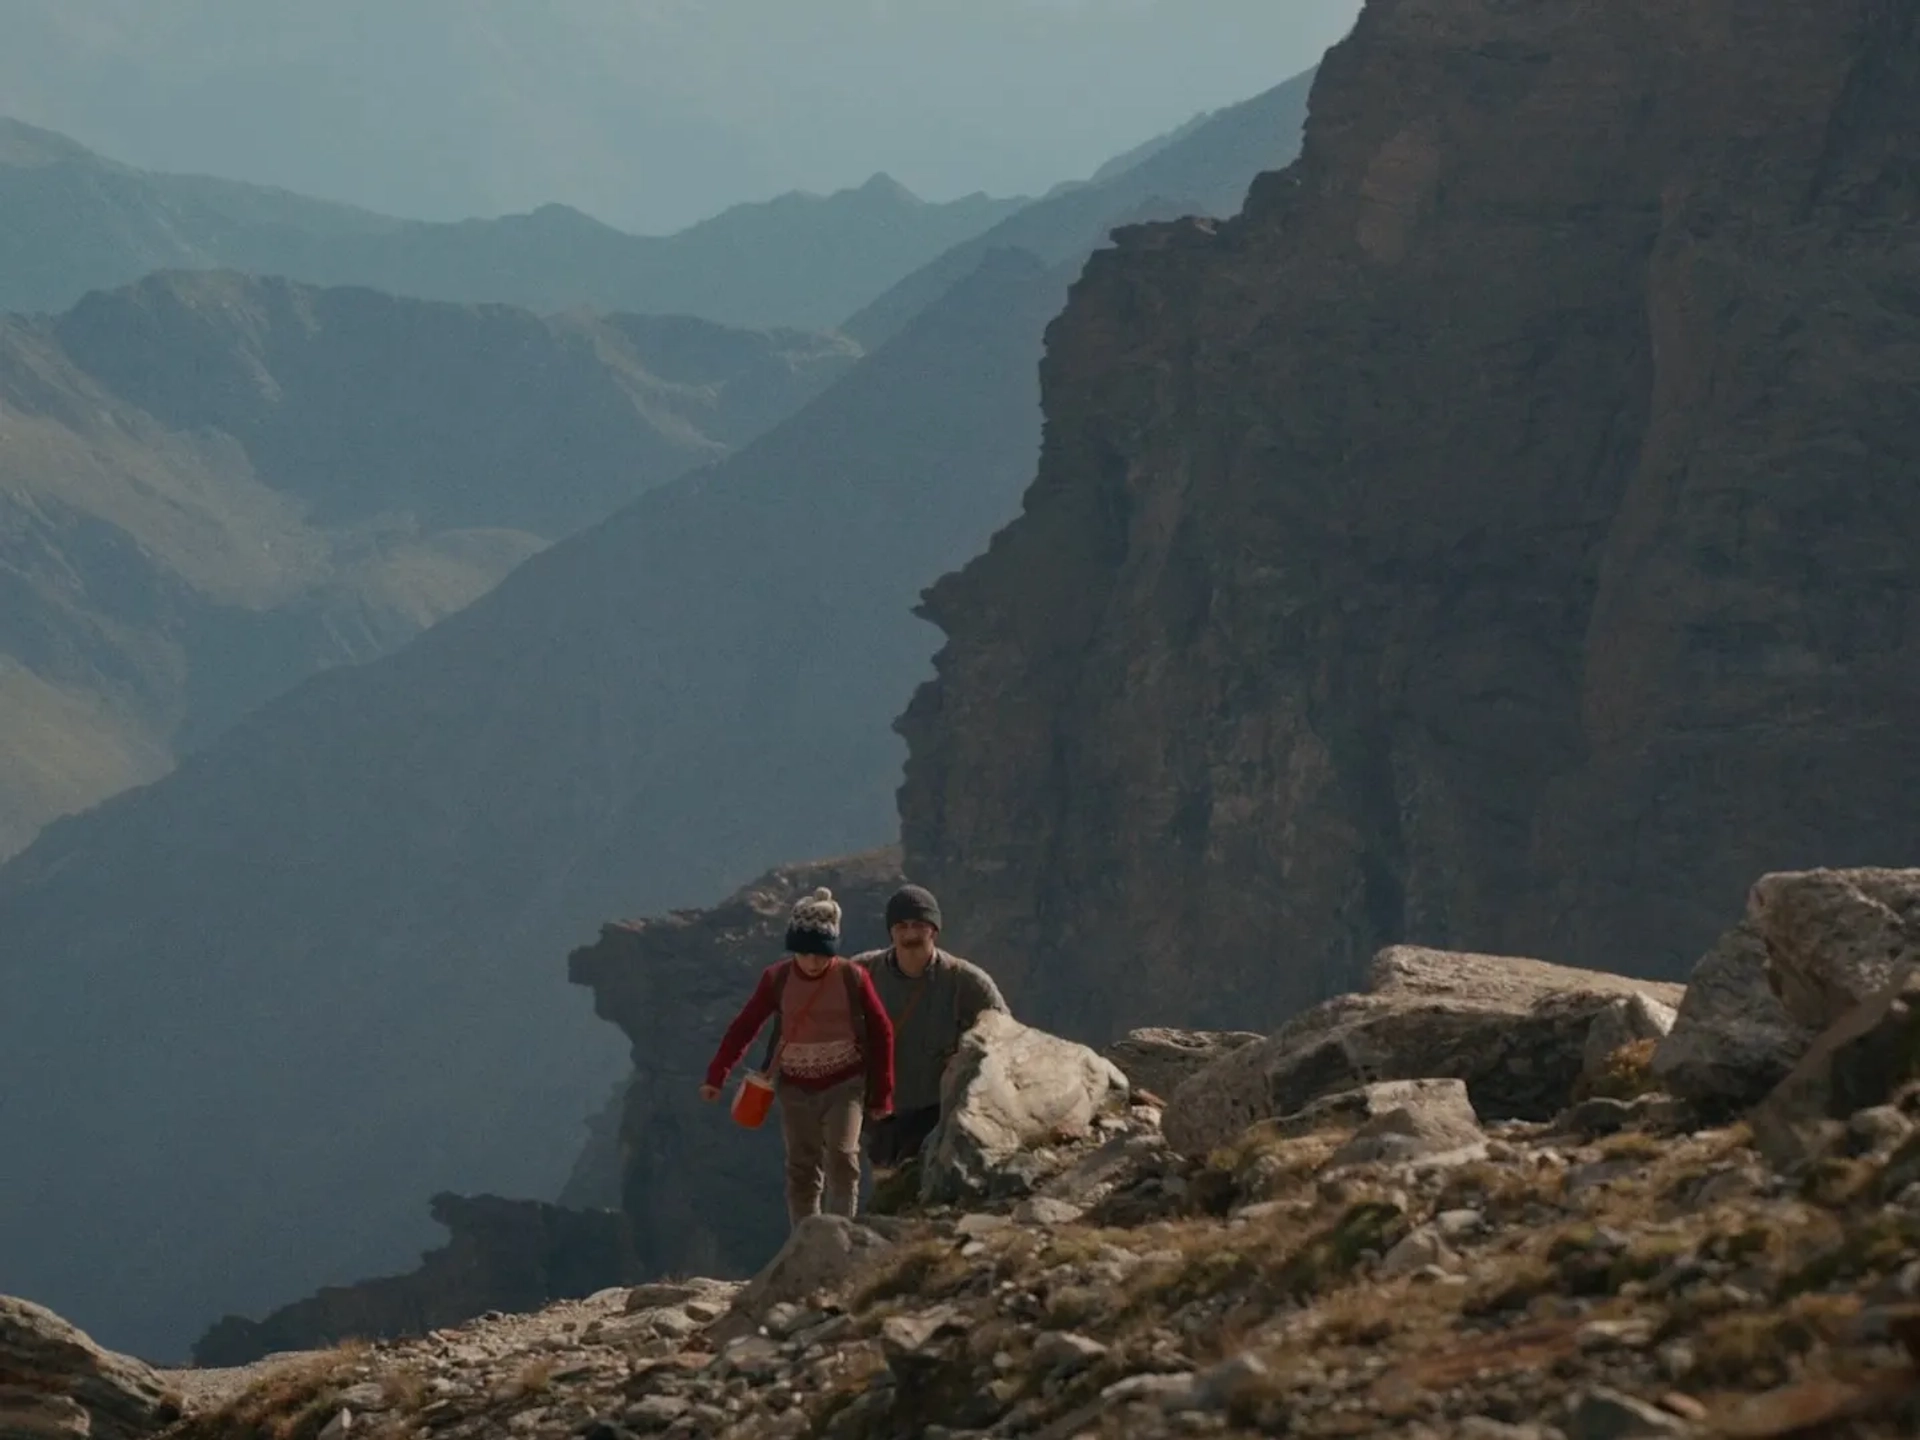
(815, 926)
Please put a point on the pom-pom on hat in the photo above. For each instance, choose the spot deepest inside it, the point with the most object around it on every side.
(815, 926)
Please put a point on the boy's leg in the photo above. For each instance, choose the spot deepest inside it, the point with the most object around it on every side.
(801, 1114)
(841, 1111)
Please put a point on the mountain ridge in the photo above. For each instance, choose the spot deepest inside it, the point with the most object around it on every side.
(72, 221)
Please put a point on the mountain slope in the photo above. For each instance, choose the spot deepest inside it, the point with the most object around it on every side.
(1203, 168)
(1502, 536)
(71, 221)
(316, 972)
(211, 487)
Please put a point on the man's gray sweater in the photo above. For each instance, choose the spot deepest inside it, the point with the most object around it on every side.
(939, 1007)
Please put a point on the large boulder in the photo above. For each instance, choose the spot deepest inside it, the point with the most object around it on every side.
(1008, 1087)
(1733, 1040)
(54, 1381)
(1514, 1030)
(1835, 938)
(1857, 1063)
(1156, 1060)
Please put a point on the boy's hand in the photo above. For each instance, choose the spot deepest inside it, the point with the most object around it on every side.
(709, 1092)
(878, 1115)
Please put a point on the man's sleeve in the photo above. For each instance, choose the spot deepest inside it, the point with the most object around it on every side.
(978, 994)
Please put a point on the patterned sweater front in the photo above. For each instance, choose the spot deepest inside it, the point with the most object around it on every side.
(823, 1041)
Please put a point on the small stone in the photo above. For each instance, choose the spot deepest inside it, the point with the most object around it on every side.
(1484, 1427)
(364, 1398)
(753, 1356)
(1601, 1115)
(1045, 1210)
(1602, 1414)
(1879, 1129)
(1218, 1387)
(655, 1412)
(338, 1427)
(1163, 1388)
(1064, 1350)
(1614, 1335)
(976, 1225)
(1458, 1224)
(703, 1312)
(1417, 1250)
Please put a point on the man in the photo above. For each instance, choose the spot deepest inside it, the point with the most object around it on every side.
(932, 998)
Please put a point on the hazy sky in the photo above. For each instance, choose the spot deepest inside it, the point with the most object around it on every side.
(649, 113)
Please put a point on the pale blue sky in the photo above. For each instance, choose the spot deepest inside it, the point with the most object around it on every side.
(649, 113)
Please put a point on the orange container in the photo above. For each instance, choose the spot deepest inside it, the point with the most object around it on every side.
(753, 1101)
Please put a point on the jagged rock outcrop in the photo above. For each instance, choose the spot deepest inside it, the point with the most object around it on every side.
(704, 1195)
(501, 1255)
(1500, 535)
(55, 1383)
(1516, 1031)
(1835, 938)
(1156, 1059)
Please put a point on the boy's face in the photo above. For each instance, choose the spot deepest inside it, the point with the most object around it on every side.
(813, 966)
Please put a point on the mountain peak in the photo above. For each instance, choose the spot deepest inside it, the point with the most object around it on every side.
(882, 186)
(25, 147)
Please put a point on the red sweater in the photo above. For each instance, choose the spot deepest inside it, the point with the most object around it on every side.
(875, 1037)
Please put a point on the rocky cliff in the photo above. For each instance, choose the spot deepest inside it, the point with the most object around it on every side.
(1501, 535)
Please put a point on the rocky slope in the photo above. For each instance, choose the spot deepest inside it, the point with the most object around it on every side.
(1391, 1258)
(373, 879)
(212, 487)
(72, 221)
(1499, 536)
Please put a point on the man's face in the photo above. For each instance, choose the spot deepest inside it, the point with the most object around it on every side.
(913, 935)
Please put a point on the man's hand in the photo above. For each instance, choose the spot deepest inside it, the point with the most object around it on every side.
(709, 1092)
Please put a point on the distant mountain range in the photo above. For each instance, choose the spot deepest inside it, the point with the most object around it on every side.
(212, 487)
(72, 221)
(314, 975)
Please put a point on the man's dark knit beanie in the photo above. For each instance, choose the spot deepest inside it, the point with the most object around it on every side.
(912, 902)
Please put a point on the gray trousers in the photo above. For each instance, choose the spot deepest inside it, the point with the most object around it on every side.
(822, 1133)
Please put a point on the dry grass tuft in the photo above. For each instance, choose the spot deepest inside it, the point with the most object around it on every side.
(927, 1269)
(292, 1401)
(1627, 1074)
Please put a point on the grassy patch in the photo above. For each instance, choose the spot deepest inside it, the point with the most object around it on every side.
(292, 1401)
(1626, 1075)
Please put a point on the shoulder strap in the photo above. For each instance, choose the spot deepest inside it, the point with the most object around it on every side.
(773, 1035)
(774, 1041)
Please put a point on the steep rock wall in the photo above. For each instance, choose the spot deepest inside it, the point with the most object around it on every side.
(1500, 536)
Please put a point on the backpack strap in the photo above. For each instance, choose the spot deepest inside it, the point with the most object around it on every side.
(779, 1000)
